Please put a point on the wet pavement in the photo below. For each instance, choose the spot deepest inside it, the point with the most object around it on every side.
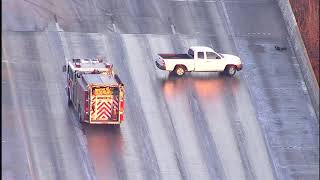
(257, 125)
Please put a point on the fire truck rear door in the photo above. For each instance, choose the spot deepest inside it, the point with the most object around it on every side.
(104, 105)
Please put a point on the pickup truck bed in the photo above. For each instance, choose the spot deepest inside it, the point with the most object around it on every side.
(209, 61)
(175, 56)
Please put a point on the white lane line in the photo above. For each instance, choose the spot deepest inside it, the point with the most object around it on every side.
(258, 33)
(87, 164)
(75, 11)
(207, 1)
(58, 27)
(173, 29)
(114, 27)
(21, 125)
(64, 43)
(266, 143)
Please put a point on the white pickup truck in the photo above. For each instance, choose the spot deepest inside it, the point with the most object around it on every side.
(199, 58)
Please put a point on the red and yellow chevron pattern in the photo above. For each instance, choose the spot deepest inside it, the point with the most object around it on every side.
(104, 108)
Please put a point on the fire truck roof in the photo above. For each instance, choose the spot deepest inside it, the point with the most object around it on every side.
(99, 79)
(87, 64)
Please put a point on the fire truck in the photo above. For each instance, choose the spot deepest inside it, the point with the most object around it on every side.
(95, 91)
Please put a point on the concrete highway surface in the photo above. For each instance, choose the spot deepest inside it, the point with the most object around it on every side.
(259, 124)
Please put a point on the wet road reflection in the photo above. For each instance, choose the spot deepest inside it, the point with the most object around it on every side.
(200, 104)
(208, 87)
(105, 149)
(200, 126)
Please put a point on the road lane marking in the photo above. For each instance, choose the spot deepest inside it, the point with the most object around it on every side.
(80, 136)
(21, 125)
(267, 150)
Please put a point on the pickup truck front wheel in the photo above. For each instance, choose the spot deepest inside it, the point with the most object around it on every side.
(230, 70)
(180, 70)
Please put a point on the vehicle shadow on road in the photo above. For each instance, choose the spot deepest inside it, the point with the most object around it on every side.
(105, 147)
(199, 75)
(206, 85)
(101, 128)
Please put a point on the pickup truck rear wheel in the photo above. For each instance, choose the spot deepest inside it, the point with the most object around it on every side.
(230, 70)
(180, 70)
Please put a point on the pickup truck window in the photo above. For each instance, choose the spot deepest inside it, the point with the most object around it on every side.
(200, 55)
(211, 55)
(191, 53)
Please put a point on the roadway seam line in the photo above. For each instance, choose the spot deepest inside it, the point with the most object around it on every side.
(64, 42)
(20, 122)
(269, 151)
(183, 172)
(302, 82)
(75, 11)
(206, 1)
(236, 125)
(45, 9)
(86, 161)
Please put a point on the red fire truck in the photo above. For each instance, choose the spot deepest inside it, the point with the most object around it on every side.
(95, 91)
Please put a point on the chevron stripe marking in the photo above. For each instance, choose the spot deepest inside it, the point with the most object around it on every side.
(101, 104)
(104, 115)
(115, 102)
(104, 110)
(104, 106)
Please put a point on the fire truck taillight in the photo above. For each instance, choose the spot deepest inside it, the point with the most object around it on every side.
(121, 110)
(121, 105)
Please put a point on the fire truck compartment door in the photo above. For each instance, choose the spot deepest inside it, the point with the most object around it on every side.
(104, 106)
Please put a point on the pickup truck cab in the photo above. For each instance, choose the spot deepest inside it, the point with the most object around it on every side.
(199, 58)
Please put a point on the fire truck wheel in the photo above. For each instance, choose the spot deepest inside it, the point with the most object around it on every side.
(79, 117)
(69, 100)
(79, 114)
(80, 120)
